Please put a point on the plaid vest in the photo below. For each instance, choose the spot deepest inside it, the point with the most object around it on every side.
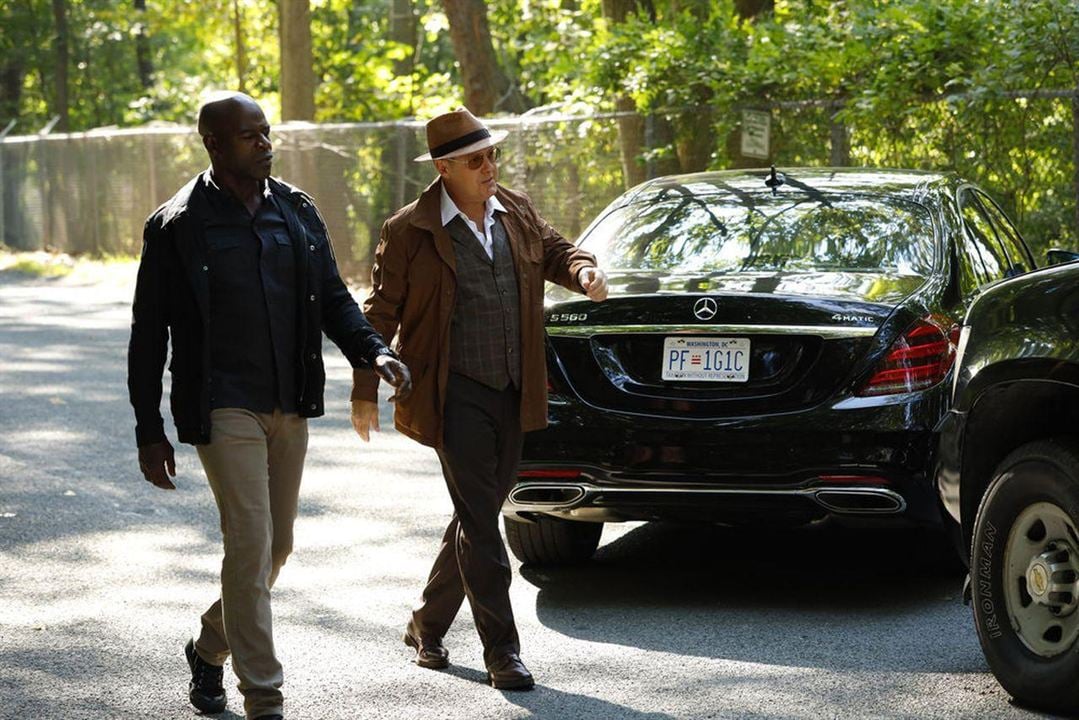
(485, 335)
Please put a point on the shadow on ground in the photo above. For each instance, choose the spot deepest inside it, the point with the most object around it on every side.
(781, 597)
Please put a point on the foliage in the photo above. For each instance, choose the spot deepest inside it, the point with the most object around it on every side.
(545, 45)
(356, 61)
(918, 83)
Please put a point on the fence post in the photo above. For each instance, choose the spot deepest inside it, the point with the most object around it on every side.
(840, 140)
(94, 194)
(3, 186)
(1075, 158)
(402, 164)
(650, 146)
(43, 166)
(151, 165)
(521, 181)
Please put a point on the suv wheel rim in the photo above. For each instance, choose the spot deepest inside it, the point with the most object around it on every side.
(1041, 581)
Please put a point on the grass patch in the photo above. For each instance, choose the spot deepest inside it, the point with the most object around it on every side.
(36, 268)
(49, 265)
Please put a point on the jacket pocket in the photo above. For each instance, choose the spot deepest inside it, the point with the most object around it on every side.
(535, 252)
(221, 239)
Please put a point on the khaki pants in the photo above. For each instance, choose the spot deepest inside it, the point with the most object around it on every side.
(254, 463)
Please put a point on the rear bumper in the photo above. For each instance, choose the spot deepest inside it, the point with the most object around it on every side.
(865, 462)
(585, 501)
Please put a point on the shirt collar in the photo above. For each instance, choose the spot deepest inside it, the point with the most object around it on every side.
(221, 197)
(450, 209)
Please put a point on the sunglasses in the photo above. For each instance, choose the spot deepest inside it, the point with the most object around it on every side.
(475, 162)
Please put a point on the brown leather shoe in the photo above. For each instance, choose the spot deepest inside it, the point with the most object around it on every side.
(509, 673)
(430, 653)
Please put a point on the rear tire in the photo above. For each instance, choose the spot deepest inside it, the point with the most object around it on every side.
(1024, 573)
(550, 541)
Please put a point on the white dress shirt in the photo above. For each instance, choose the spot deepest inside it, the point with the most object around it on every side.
(450, 211)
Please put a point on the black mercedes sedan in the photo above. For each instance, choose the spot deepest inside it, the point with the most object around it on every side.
(775, 349)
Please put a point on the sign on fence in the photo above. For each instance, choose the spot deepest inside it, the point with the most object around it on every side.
(756, 133)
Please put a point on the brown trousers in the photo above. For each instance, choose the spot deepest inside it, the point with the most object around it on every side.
(481, 449)
(254, 464)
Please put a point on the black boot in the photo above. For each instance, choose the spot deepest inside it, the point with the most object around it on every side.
(205, 690)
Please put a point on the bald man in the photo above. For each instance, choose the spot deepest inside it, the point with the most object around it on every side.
(237, 272)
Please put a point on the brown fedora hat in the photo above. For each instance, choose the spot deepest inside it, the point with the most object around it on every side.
(458, 133)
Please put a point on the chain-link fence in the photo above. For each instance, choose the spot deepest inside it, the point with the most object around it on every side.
(91, 192)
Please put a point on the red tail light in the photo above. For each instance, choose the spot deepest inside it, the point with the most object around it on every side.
(550, 474)
(920, 358)
(853, 480)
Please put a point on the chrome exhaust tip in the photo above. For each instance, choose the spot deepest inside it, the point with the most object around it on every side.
(546, 495)
(857, 501)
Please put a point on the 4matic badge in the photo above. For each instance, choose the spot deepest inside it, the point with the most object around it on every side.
(840, 317)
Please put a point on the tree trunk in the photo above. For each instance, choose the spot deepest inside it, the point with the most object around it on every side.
(698, 7)
(59, 14)
(487, 88)
(630, 127)
(402, 29)
(749, 9)
(12, 74)
(695, 138)
(240, 43)
(630, 141)
(694, 131)
(297, 62)
(142, 47)
(636, 134)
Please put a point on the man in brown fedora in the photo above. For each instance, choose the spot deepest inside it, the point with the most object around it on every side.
(458, 278)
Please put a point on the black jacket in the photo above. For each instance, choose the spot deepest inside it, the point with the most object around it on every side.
(172, 303)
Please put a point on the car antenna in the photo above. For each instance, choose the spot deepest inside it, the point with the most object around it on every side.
(774, 180)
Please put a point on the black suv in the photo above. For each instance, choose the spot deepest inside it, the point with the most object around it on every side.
(1008, 471)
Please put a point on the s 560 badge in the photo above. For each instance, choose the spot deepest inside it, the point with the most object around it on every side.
(567, 317)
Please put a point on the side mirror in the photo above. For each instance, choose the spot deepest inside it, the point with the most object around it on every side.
(1056, 256)
(1014, 270)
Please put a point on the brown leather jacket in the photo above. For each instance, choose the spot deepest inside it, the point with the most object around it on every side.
(412, 296)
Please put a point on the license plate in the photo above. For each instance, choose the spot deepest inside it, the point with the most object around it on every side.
(706, 359)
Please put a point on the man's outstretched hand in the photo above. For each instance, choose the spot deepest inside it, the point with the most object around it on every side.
(395, 373)
(594, 283)
(157, 463)
(365, 412)
(364, 418)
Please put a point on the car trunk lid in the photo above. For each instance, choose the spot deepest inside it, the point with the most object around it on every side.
(760, 343)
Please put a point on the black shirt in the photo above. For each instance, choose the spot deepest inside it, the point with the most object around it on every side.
(252, 277)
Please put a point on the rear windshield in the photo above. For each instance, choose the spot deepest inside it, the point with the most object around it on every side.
(721, 233)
